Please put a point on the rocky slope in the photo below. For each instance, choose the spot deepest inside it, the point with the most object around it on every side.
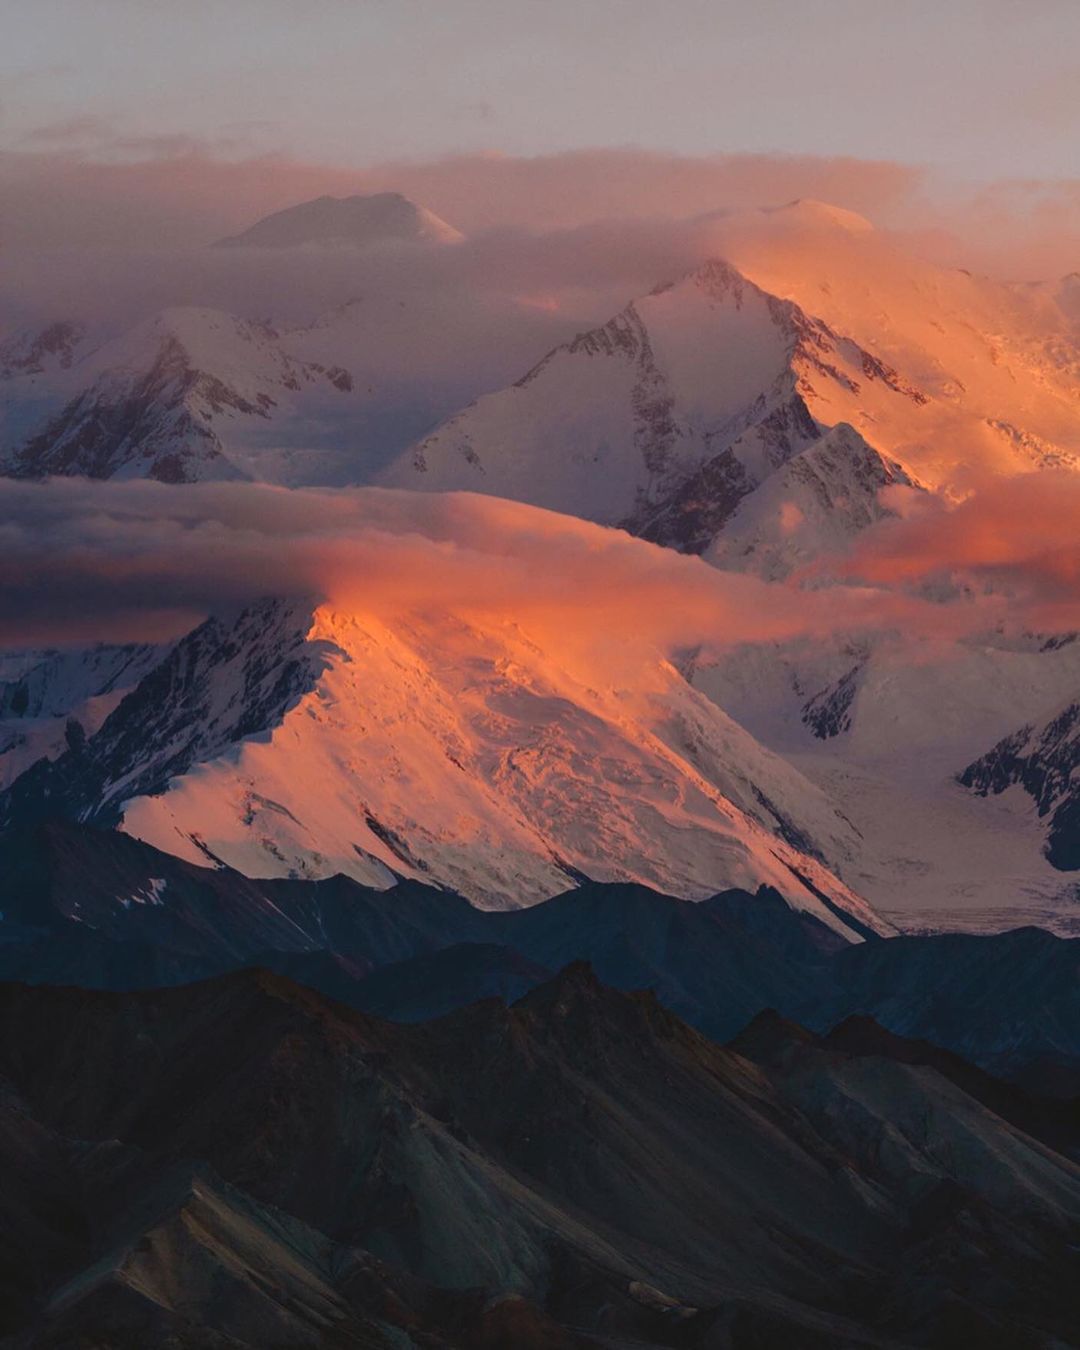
(255, 1165)
(1042, 760)
(813, 506)
(43, 692)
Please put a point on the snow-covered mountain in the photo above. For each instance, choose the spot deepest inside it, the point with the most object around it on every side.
(999, 364)
(292, 741)
(205, 394)
(666, 418)
(662, 420)
(187, 395)
(811, 506)
(751, 412)
(347, 222)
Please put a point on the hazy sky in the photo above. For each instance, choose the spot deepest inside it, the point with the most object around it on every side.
(987, 88)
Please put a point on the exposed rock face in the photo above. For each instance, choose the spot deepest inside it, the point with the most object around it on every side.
(226, 680)
(45, 695)
(828, 713)
(1042, 760)
(810, 510)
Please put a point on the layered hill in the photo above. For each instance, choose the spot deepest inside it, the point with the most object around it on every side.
(243, 1163)
(98, 909)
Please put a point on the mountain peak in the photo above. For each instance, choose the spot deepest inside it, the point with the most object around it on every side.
(353, 222)
(813, 214)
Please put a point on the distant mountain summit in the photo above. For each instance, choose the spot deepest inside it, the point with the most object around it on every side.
(809, 213)
(165, 400)
(352, 222)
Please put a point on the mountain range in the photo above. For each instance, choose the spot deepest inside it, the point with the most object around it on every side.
(213, 1136)
(763, 411)
(678, 407)
(554, 907)
(98, 909)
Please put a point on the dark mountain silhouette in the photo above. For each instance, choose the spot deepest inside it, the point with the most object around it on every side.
(242, 1162)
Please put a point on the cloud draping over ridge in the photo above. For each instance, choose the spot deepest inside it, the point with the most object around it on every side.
(84, 561)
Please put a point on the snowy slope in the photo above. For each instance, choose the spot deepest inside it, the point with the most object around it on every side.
(999, 365)
(813, 505)
(41, 351)
(183, 396)
(232, 676)
(885, 728)
(447, 749)
(347, 222)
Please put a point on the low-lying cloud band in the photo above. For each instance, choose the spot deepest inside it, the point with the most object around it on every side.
(85, 561)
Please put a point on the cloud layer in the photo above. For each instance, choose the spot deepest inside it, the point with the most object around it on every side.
(82, 561)
(181, 194)
(1016, 537)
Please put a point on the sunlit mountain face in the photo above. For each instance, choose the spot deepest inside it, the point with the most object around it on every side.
(539, 684)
